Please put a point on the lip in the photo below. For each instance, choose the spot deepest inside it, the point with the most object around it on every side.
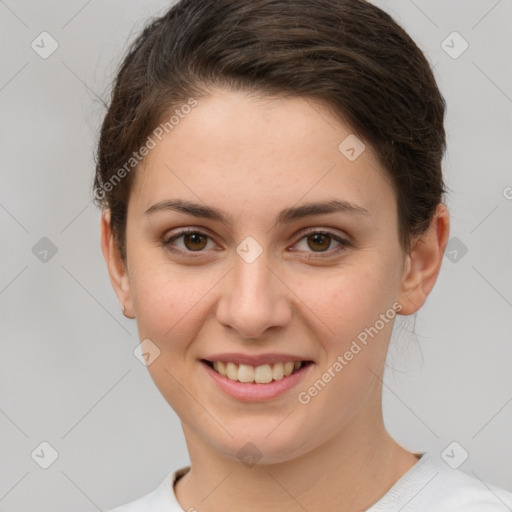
(256, 360)
(253, 392)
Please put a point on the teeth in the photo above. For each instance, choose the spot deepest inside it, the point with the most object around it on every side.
(277, 371)
(262, 374)
(245, 373)
(232, 371)
(221, 367)
(288, 368)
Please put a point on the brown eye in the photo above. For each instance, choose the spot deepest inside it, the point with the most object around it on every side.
(191, 241)
(194, 241)
(320, 241)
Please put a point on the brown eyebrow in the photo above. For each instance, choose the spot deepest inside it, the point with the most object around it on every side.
(285, 216)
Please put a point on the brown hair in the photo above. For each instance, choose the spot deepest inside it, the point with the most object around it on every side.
(349, 54)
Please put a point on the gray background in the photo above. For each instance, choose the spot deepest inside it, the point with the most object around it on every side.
(67, 369)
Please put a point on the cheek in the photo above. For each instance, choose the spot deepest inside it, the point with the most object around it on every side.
(354, 339)
(349, 306)
(348, 300)
(171, 302)
(165, 302)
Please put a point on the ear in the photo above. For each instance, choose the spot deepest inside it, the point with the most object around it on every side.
(423, 262)
(116, 266)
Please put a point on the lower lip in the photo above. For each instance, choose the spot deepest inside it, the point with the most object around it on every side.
(253, 392)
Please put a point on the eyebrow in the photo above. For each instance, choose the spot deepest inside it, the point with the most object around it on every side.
(285, 216)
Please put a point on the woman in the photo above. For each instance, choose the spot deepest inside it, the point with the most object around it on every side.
(270, 177)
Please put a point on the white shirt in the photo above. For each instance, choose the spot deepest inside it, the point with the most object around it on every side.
(429, 486)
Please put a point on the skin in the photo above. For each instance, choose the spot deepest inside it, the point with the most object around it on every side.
(253, 157)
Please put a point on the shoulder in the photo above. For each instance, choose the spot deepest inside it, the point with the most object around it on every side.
(433, 486)
(456, 491)
(161, 499)
(142, 504)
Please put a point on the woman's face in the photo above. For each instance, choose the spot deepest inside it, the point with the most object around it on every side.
(258, 282)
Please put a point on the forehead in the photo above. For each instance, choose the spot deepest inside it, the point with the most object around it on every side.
(235, 149)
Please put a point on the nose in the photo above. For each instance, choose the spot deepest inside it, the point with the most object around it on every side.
(254, 299)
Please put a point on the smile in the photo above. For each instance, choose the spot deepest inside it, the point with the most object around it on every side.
(262, 374)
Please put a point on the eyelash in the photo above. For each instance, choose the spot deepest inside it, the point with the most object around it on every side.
(167, 243)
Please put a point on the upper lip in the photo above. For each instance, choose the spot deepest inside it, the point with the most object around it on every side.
(254, 360)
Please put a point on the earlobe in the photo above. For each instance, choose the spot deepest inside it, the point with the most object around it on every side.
(424, 262)
(116, 266)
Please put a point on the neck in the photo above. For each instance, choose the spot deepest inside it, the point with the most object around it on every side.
(350, 471)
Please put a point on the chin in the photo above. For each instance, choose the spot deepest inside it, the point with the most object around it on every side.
(257, 446)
